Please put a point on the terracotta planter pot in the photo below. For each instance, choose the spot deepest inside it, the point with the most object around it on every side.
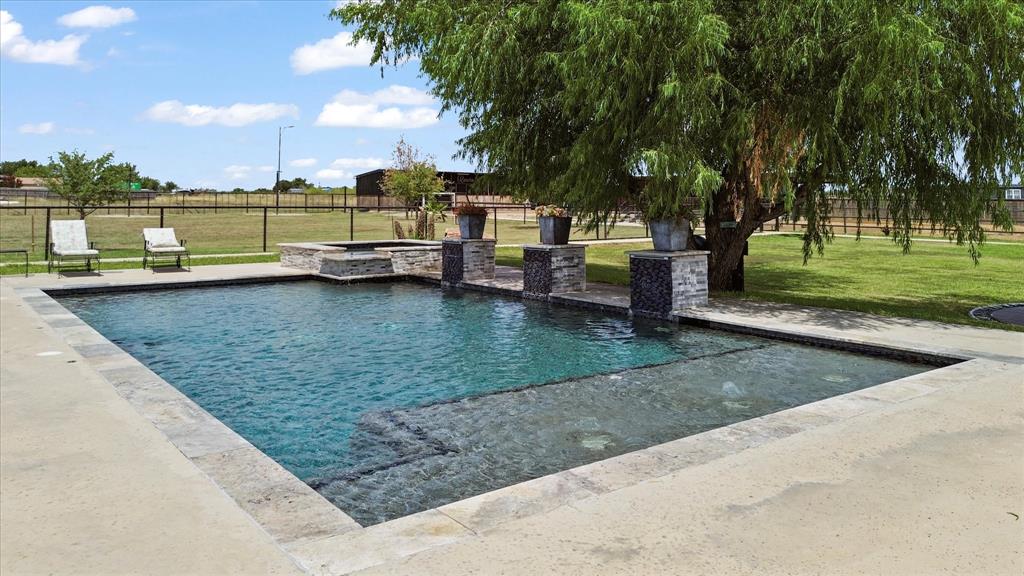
(555, 229)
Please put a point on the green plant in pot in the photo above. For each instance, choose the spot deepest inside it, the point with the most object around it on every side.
(555, 224)
(472, 220)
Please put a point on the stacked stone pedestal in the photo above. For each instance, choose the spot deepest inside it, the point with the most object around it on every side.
(661, 282)
(551, 269)
(466, 260)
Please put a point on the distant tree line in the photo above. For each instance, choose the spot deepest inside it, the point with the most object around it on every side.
(12, 170)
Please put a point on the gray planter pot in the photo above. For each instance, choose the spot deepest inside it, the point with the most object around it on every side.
(471, 226)
(671, 234)
(555, 229)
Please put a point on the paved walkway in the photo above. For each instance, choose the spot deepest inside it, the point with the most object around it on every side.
(920, 476)
(89, 486)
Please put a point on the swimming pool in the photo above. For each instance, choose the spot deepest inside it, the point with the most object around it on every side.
(394, 398)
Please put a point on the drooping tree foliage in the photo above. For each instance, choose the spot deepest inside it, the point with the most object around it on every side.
(754, 109)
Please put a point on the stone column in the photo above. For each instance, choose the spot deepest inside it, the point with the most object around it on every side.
(550, 269)
(463, 260)
(660, 282)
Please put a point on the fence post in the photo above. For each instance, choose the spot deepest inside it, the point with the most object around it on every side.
(46, 248)
(351, 224)
(25, 201)
(148, 199)
(246, 202)
(524, 213)
(215, 203)
(495, 224)
(332, 202)
(264, 228)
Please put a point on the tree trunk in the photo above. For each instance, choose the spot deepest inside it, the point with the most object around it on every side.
(727, 232)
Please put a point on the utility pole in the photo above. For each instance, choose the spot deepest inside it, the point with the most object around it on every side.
(277, 192)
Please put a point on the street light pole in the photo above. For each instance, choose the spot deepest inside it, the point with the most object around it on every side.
(277, 192)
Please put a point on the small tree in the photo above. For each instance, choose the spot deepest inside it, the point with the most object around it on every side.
(170, 186)
(86, 184)
(413, 179)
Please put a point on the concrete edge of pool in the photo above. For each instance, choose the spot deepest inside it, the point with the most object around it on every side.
(323, 539)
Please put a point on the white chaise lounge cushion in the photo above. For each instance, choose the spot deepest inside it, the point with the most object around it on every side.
(161, 238)
(89, 252)
(167, 249)
(69, 239)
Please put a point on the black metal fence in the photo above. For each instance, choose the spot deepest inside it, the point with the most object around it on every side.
(226, 228)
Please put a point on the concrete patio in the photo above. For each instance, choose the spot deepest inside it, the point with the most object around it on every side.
(918, 476)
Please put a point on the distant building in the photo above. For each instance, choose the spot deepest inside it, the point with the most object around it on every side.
(457, 185)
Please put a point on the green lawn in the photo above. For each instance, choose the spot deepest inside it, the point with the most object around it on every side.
(936, 281)
(235, 231)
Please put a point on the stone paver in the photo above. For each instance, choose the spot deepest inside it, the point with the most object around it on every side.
(90, 486)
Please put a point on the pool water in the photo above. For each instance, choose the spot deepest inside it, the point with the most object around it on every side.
(394, 398)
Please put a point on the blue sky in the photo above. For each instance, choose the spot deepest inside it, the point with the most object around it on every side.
(194, 91)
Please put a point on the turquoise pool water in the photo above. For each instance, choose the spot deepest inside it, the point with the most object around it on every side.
(394, 398)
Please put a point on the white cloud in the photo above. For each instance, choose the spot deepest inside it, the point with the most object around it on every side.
(367, 163)
(303, 163)
(242, 171)
(97, 17)
(346, 168)
(14, 45)
(360, 110)
(237, 172)
(234, 115)
(41, 128)
(332, 174)
(330, 53)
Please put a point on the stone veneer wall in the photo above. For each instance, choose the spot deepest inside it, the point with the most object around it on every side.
(344, 265)
(305, 257)
(549, 269)
(661, 282)
(467, 260)
(407, 260)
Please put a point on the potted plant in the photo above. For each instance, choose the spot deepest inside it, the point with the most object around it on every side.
(555, 224)
(670, 233)
(472, 220)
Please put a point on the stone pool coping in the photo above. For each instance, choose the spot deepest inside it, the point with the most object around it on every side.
(322, 539)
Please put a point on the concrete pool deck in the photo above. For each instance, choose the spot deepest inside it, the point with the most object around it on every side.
(920, 475)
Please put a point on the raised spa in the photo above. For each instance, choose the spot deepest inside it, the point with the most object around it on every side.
(395, 398)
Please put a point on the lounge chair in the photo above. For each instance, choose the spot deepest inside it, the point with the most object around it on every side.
(68, 241)
(162, 243)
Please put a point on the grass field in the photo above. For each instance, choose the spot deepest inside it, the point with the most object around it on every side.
(936, 281)
(234, 231)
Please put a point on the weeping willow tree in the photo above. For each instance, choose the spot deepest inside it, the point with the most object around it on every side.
(736, 112)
